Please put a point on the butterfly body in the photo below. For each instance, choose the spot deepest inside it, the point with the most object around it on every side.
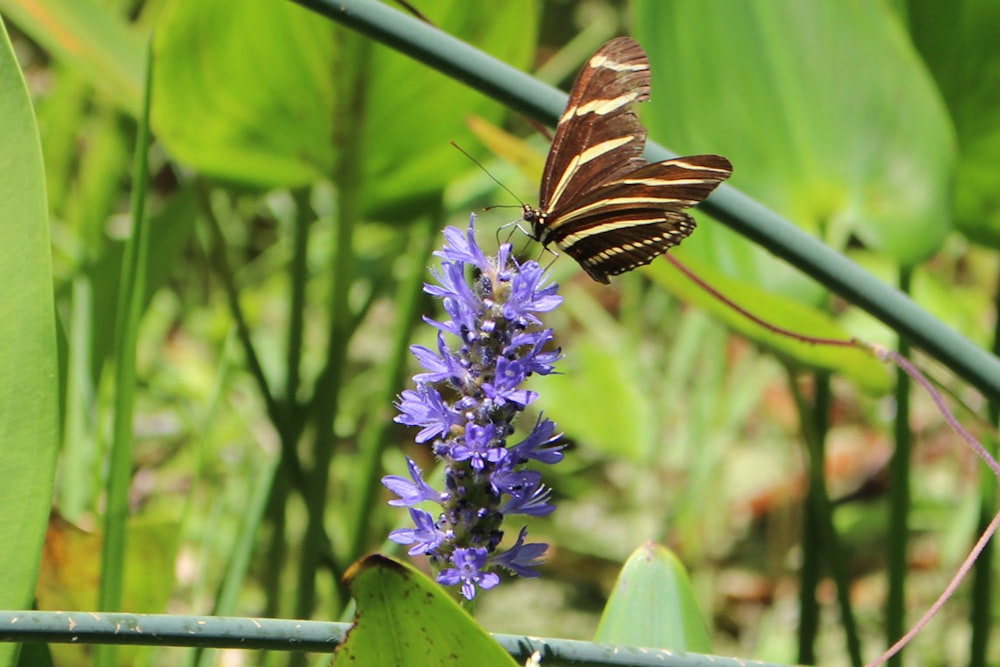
(600, 201)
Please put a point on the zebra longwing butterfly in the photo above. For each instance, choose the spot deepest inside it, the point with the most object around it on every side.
(600, 201)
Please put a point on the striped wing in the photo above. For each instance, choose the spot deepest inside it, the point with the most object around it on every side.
(631, 221)
(600, 201)
(598, 137)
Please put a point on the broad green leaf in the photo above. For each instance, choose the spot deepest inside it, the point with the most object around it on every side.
(413, 112)
(405, 619)
(277, 110)
(859, 365)
(244, 91)
(824, 108)
(653, 605)
(958, 41)
(88, 37)
(29, 409)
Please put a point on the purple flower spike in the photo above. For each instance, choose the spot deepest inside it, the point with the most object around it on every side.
(466, 400)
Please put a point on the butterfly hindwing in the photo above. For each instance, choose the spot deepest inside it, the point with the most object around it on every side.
(630, 222)
(639, 237)
(600, 201)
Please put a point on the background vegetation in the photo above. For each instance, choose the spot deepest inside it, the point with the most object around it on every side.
(300, 174)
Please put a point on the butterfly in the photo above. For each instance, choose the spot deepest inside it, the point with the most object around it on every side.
(600, 201)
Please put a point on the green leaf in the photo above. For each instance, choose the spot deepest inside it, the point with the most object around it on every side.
(958, 41)
(824, 108)
(29, 409)
(653, 605)
(414, 112)
(89, 38)
(267, 111)
(404, 618)
(255, 110)
(854, 363)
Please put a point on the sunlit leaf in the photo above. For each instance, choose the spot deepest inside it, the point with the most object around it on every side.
(958, 41)
(279, 109)
(653, 605)
(29, 409)
(859, 365)
(825, 110)
(428, 628)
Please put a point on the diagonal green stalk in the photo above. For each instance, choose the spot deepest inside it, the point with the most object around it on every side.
(223, 270)
(748, 217)
(129, 314)
(821, 511)
(899, 501)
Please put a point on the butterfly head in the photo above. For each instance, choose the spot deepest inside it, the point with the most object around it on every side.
(536, 219)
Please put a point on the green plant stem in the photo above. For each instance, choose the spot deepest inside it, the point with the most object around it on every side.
(276, 552)
(352, 71)
(812, 533)
(129, 314)
(981, 614)
(899, 501)
(544, 103)
(372, 442)
(822, 510)
(275, 412)
(297, 301)
(239, 559)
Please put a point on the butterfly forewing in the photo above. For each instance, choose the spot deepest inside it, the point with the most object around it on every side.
(598, 137)
(600, 201)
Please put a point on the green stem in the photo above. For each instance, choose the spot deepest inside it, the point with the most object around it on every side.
(372, 442)
(981, 614)
(821, 509)
(130, 306)
(297, 300)
(287, 430)
(812, 520)
(352, 71)
(899, 501)
(276, 553)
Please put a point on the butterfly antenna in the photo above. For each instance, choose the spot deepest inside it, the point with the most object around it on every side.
(486, 171)
(416, 12)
